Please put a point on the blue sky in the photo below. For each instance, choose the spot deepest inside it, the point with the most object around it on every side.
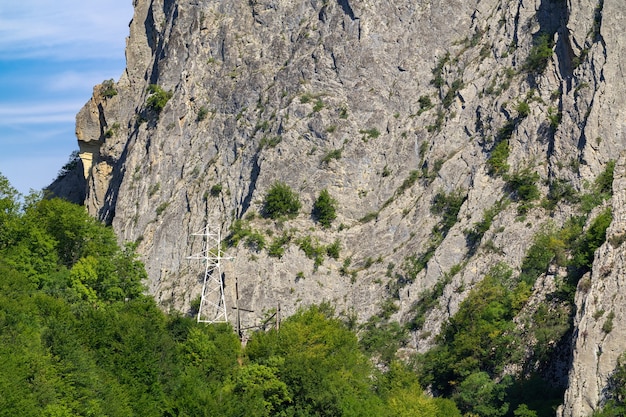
(52, 53)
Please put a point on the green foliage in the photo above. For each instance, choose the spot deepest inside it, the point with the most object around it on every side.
(216, 190)
(108, 90)
(319, 105)
(427, 300)
(269, 142)
(318, 358)
(438, 80)
(601, 190)
(161, 208)
(382, 339)
(325, 208)
(70, 165)
(330, 155)
(203, 112)
(497, 162)
(263, 126)
(448, 206)
(240, 230)
(369, 217)
(78, 338)
(281, 201)
(476, 233)
(551, 323)
(112, 131)
(425, 104)
(544, 249)
(153, 189)
(333, 249)
(591, 240)
(523, 109)
(371, 133)
(438, 124)
(478, 337)
(560, 190)
(554, 117)
(523, 185)
(480, 395)
(408, 182)
(540, 54)
(534, 396)
(604, 182)
(158, 98)
(277, 247)
(312, 249)
(452, 92)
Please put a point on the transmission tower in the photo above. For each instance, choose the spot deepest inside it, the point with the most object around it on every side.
(212, 304)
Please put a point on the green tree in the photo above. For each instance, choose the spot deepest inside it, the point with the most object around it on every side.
(540, 54)
(281, 201)
(324, 209)
(158, 98)
(480, 395)
(478, 338)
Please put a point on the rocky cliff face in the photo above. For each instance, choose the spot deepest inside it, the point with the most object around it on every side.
(408, 113)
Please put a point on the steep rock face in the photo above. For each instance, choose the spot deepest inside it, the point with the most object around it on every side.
(601, 312)
(387, 105)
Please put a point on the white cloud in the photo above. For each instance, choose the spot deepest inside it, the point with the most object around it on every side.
(63, 29)
(75, 80)
(27, 113)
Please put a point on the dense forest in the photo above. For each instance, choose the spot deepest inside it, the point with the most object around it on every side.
(78, 337)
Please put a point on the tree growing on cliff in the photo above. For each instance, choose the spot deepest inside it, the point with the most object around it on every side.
(324, 209)
(158, 98)
(281, 201)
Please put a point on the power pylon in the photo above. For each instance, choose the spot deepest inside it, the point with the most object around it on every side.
(212, 302)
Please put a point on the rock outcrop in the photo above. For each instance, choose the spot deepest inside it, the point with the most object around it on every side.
(390, 106)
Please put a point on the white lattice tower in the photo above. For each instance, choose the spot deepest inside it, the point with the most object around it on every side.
(212, 303)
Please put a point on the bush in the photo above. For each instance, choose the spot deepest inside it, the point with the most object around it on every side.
(539, 54)
(334, 154)
(216, 190)
(538, 257)
(591, 240)
(523, 109)
(108, 89)
(372, 133)
(554, 117)
(454, 89)
(277, 248)
(324, 209)
(425, 104)
(497, 162)
(202, 113)
(281, 201)
(70, 165)
(333, 249)
(158, 98)
(448, 205)
(438, 80)
(523, 184)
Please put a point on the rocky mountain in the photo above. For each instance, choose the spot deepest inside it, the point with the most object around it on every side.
(451, 136)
